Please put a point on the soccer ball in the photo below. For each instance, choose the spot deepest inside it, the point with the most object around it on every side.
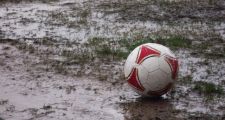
(151, 69)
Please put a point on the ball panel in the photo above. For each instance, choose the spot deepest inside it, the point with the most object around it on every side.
(164, 66)
(160, 92)
(173, 63)
(134, 81)
(161, 48)
(143, 76)
(157, 80)
(130, 62)
(145, 52)
(151, 63)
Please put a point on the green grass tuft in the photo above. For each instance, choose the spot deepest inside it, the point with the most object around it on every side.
(122, 47)
(105, 47)
(96, 41)
(175, 42)
(136, 43)
(104, 51)
(208, 88)
(108, 51)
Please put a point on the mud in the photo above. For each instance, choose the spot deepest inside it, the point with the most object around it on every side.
(51, 68)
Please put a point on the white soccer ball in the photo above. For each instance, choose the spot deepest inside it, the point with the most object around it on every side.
(151, 69)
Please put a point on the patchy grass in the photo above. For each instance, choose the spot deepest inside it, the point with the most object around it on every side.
(208, 88)
(173, 10)
(98, 41)
(20, 45)
(114, 53)
(82, 21)
(212, 48)
(85, 13)
(214, 55)
(61, 68)
(57, 18)
(5, 40)
(173, 42)
(203, 46)
(83, 17)
(45, 41)
(77, 56)
(11, 41)
(61, 18)
(121, 54)
(26, 47)
(104, 47)
(132, 44)
(104, 51)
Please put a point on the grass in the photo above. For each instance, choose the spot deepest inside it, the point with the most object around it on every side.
(104, 51)
(104, 47)
(84, 13)
(121, 54)
(11, 41)
(83, 17)
(120, 49)
(58, 18)
(208, 88)
(45, 41)
(212, 48)
(78, 56)
(82, 21)
(214, 55)
(20, 45)
(132, 44)
(107, 51)
(96, 41)
(207, 49)
(26, 47)
(61, 68)
(173, 42)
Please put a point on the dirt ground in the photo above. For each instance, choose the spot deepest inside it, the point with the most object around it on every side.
(54, 64)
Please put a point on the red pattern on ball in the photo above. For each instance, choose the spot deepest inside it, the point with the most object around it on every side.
(146, 52)
(134, 81)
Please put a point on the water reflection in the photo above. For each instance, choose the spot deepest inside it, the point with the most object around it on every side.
(149, 109)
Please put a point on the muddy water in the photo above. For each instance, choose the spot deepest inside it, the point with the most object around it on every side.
(80, 20)
(29, 91)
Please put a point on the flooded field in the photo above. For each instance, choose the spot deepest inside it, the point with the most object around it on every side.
(63, 59)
